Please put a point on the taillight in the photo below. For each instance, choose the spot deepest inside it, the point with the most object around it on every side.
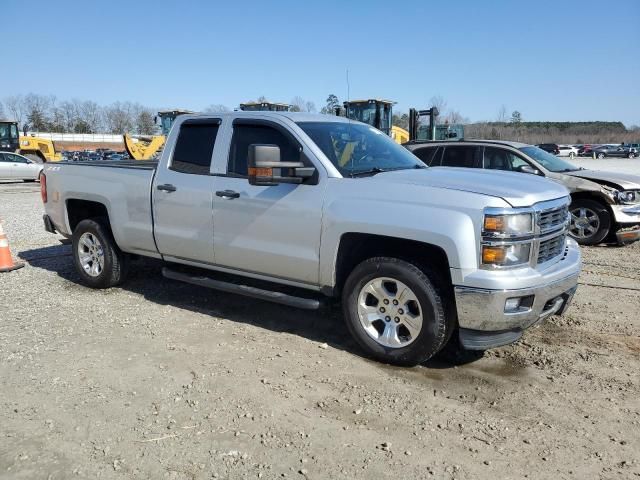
(43, 187)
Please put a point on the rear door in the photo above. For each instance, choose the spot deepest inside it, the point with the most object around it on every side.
(183, 194)
(270, 230)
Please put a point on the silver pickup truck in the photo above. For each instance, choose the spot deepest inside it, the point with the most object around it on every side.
(294, 208)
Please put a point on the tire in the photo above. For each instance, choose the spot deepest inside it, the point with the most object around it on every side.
(572, 155)
(112, 269)
(594, 218)
(423, 300)
(601, 155)
(631, 155)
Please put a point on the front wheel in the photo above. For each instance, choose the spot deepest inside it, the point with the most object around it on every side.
(394, 311)
(601, 155)
(590, 222)
(97, 258)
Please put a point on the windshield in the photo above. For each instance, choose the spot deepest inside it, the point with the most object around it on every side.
(8, 130)
(355, 148)
(549, 161)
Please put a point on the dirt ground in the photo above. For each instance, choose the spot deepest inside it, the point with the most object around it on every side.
(158, 379)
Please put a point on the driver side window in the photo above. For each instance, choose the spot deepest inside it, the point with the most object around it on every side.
(245, 135)
(501, 159)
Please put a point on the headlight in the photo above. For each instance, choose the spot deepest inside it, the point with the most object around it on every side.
(627, 197)
(506, 255)
(518, 224)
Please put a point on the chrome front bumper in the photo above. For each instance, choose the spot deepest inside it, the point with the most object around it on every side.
(485, 311)
(626, 214)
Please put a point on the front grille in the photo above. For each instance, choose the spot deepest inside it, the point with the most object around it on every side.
(551, 248)
(549, 220)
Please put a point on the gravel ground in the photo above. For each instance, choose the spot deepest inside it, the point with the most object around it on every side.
(158, 379)
(621, 165)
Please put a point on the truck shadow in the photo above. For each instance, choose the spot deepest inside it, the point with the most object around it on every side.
(325, 325)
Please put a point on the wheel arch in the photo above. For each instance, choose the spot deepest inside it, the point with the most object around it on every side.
(355, 248)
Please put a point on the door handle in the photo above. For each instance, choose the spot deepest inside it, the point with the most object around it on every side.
(228, 194)
(167, 187)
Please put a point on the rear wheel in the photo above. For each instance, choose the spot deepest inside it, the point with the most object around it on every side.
(97, 258)
(394, 311)
(601, 155)
(631, 155)
(590, 221)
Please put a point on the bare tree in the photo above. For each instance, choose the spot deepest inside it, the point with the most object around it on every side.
(216, 108)
(440, 103)
(118, 117)
(299, 104)
(144, 120)
(15, 107)
(502, 116)
(38, 109)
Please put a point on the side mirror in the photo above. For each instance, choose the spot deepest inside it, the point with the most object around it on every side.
(528, 169)
(265, 167)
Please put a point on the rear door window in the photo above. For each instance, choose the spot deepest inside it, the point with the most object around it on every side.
(194, 147)
(426, 154)
(461, 156)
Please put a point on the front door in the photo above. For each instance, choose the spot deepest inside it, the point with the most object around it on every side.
(183, 195)
(270, 230)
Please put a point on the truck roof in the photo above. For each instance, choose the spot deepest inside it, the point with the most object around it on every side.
(294, 116)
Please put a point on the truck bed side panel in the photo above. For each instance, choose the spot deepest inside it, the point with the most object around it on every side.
(123, 190)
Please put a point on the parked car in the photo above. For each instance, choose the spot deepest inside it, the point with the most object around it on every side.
(604, 205)
(567, 151)
(17, 167)
(549, 147)
(614, 151)
(416, 254)
(586, 150)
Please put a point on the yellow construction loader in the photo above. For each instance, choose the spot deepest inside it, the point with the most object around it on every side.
(37, 148)
(377, 113)
(144, 147)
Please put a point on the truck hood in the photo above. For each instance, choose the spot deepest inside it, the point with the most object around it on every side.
(620, 181)
(517, 189)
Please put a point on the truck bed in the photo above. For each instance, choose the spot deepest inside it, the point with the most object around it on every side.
(123, 187)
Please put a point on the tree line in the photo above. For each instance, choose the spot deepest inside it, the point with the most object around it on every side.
(46, 113)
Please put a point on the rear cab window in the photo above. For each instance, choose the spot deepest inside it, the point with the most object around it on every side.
(194, 146)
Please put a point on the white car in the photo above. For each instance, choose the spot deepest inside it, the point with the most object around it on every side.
(17, 167)
(567, 151)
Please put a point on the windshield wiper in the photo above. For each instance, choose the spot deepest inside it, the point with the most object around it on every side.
(371, 171)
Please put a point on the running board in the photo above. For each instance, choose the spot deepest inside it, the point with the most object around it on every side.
(246, 290)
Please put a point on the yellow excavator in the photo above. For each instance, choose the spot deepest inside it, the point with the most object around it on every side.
(144, 147)
(377, 113)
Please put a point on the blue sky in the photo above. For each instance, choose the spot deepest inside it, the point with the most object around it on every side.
(552, 60)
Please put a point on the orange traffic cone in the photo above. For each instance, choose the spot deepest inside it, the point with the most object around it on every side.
(6, 261)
